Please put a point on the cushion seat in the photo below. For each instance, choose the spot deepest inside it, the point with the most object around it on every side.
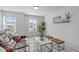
(58, 41)
(49, 37)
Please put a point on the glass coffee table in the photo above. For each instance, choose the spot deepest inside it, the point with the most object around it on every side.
(41, 43)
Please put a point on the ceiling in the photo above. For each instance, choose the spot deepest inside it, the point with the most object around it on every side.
(30, 10)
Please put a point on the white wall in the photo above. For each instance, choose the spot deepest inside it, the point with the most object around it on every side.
(69, 32)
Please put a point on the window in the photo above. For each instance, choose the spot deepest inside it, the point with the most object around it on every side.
(9, 24)
(32, 25)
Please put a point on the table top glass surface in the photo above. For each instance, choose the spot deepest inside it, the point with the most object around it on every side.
(45, 41)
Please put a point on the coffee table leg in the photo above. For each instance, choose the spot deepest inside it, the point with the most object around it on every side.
(51, 46)
(41, 47)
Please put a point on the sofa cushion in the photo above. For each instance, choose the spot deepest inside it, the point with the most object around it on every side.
(8, 48)
(49, 37)
(17, 38)
(58, 41)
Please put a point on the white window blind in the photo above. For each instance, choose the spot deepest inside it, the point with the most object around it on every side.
(32, 25)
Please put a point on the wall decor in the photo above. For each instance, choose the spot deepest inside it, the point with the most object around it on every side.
(59, 19)
(68, 15)
(56, 19)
